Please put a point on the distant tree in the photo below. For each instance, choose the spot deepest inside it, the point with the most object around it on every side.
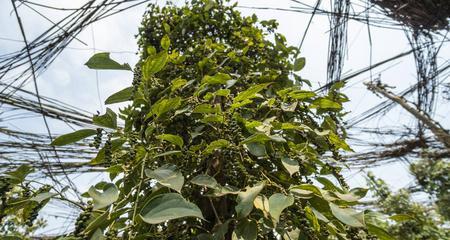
(410, 219)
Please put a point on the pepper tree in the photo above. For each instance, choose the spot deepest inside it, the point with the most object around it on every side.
(221, 138)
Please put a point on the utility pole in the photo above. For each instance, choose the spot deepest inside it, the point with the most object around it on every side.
(441, 134)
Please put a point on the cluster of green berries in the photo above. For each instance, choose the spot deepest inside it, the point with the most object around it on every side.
(34, 213)
(137, 78)
(108, 149)
(304, 225)
(5, 187)
(97, 139)
(337, 175)
(111, 234)
(82, 220)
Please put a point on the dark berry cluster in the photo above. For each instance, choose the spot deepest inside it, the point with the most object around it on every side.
(111, 234)
(5, 187)
(97, 139)
(34, 213)
(108, 149)
(137, 78)
(82, 220)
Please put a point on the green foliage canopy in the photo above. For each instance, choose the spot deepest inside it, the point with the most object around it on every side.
(221, 139)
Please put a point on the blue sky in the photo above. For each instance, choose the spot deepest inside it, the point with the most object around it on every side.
(68, 80)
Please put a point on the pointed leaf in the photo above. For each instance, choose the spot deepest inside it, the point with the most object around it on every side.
(299, 64)
(120, 96)
(43, 196)
(167, 176)
(245, 230)
(256, 149)
(206, 181)
(218, 144)
(109, 119)
(291, 165)
(245, 199)
(168, 206)
(165, 42)
(379, 232)
(104, 62)
(219, 78)
(177, 140)
(401, 217)
(20, 173)
(250, 92)
(312, 218)
(348, 216)
(73, 137)
(108, 196)
(153, 64)
(168, 153)
(178, 83)
(326, 104)
(262, 203)
(277, 203)
(165, 105)
(98, 235)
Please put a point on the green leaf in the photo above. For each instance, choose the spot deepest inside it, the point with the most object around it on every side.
(245, 200)
(291, 165)
(43, 196)
(98, 235)
(73, 137)
(401, 217)
(301, 94)
(206, 181)
(312, 218)
(178, 83)
(223, 92)
(338, 142)
(299, 64)
(262, 203)
(167, 176)
(177, 140)
(168, 153)
(245, 230)
(206, 108)
(120, 96)
(153, 64)
(109, 119)
(256, 149)
(165, 105)
(319, 215)
(218, 144)
(250, 92)
(165, 42)
(108, 196)
(325, 103)
(262, 137)
(102, 61)
(348, 216)
(219, 78)
(379, 232)
(220, 230)
(224, 190)
(353, 196)
(308, 189)
(20, 173)
(168, 206)
(277, 203)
